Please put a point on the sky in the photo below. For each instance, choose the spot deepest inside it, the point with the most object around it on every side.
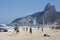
(12, 9)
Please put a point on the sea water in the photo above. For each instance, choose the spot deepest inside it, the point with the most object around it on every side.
(19, 25)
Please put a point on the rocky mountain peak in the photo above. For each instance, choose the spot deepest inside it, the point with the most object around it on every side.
(49, 14)
(48, 6)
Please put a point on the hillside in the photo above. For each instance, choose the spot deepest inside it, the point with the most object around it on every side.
(50, 14)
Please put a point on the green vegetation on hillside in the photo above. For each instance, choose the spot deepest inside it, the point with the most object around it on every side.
(58, 27)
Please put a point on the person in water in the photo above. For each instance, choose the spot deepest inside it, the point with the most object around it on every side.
(16, 29)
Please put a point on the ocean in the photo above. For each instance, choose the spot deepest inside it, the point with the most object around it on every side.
(19, 25)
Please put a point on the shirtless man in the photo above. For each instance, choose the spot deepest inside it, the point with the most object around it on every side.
(16, 29)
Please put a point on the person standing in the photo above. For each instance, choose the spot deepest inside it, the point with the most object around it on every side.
(38, 27)
(16, 29)
(30, 30)
(26, 29)
(42, 29)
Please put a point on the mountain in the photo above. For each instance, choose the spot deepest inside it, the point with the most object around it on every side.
(49, 14)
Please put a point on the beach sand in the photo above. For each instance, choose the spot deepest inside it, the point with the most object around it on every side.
(36, 35)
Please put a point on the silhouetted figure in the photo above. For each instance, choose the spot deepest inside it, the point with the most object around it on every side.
(30, 30)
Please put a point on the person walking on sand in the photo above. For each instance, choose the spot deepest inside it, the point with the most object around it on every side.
(38, 27)
(42, 29)
(30, 30)
(16, 29)
(26, 29)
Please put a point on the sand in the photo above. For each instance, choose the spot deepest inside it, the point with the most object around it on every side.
(36, 35)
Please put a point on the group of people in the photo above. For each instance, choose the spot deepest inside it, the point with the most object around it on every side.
(16, 29)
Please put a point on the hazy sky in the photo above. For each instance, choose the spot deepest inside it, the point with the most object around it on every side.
(12, 9)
